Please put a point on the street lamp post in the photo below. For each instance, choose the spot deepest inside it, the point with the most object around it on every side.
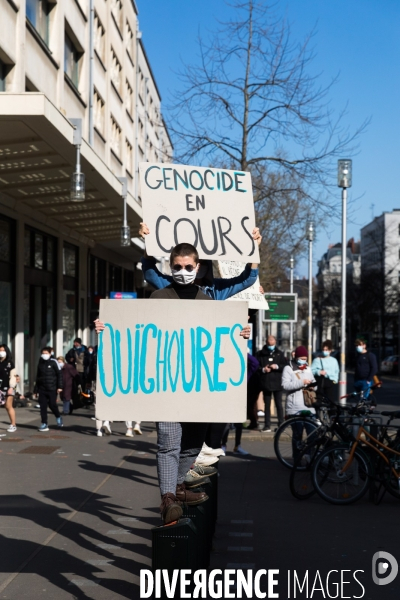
(291, 291)
(344, 182)
(77, 187)
(310, 238)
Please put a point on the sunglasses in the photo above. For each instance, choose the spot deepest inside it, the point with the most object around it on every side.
(189, 268)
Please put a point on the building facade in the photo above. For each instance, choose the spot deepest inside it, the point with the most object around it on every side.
(58, 258)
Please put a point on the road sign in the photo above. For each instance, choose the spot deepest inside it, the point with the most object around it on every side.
(123, 295)
(282, 308)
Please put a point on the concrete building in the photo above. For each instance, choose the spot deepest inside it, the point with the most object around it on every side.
(58, 258)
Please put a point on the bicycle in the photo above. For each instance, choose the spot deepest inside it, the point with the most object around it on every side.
(341, 474)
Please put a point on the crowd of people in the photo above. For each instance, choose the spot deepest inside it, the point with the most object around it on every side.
(187, 452)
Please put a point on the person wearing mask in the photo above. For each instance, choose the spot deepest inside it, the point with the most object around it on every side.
(326, 372)
(69, 377)
(272, 363)
(8, 383)
(77, 357)
(295, 377)
(179, 443)
(366, 367)
(216, 288)
(49, 382)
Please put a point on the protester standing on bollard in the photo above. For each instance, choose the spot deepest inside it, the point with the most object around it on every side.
(366, 367)
(272, 363)
(49, 382)
(179, 443)
(8, 383)
(326, 372)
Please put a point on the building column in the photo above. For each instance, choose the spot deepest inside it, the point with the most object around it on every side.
(19, 299)
(59, 337)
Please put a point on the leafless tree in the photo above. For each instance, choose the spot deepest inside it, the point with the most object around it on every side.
(252, 103)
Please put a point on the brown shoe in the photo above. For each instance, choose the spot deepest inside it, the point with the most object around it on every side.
(189, 497)
(170, 508)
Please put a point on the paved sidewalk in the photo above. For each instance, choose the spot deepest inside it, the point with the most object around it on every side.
(76, 523)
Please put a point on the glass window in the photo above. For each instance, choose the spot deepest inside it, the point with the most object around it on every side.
(116, 71)
(71, 60)
(5, 241)
(116, 8)
(3, 73)
(50, 254)
(99, 38)
(27, 248)
(38, 251)
(98, 112)
(115, 141)
(37, 12)
(68, 319)
(69, 261)
(5, 312)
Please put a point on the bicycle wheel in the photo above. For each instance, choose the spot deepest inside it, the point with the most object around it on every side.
(301, 481)
(291, 438)
(336, 486)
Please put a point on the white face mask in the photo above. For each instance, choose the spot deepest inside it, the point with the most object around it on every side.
(183, 277)
(61, 364)
(45, 356)
(3, 354)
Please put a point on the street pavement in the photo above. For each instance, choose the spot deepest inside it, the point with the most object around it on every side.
(76, 522)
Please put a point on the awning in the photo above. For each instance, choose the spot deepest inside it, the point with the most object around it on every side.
(37, 158)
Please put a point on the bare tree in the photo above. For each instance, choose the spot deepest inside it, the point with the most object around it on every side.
(251, 103)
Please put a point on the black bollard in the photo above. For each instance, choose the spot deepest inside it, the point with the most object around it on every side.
(175, 547)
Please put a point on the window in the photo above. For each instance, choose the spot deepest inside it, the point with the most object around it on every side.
(129, 98)
(130, 41)
(116, 11)
(39, 250)
(129, 157)
(399, 228)
(38, 254)
(115, 137)
(3, 75)
(71, 60)
(99, 38)
(98, 112)
(141, 86)
(5, 240)
(69, 260)
(37, 11)
(116, 71)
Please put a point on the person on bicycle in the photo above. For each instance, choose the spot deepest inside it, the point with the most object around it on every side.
(366, 367)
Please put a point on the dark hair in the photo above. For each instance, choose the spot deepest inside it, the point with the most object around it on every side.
(184, 250)
(78, 340)
(92, 347)
(327, 344)
(360, 341)
(8, 352)
(46, 349)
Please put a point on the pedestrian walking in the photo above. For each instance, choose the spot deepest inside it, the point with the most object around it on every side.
(326, 372)
(8, 384)
(49, 382)
(78, 357)
(69, 377)
(272, 363)
(366, 367)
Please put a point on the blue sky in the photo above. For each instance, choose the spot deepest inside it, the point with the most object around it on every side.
(357, 40)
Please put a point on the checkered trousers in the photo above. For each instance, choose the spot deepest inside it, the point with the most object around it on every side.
(178, 447)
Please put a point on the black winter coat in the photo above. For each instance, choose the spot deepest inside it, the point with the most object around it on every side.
(49, 376)
(271, 382)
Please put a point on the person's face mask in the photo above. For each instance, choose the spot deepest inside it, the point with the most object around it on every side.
(301, 361)
(326, 352)
(45, 356)
(3, 354)
(90, 351)
(271, 347)
(184, 277)
(360, 348)
(61, 365)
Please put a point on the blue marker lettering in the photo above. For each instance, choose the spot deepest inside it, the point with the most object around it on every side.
(162, 362)
(173, 381)
(102, 373)
(143, 360)
(188, 385)
(200, 358)
(124, 390)
(242, 361)
(219, 386)
(136, 367)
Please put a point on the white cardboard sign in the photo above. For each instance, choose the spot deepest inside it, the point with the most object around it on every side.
(212, 209)
(164, 360)
(252, 295)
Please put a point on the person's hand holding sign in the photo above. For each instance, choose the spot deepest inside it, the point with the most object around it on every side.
(245, 333)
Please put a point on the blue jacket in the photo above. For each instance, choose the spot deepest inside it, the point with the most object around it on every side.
(221, 289)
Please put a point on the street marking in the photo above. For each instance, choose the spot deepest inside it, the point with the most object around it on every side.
(242, 522)
(84, 582)
(240, 548)
(240, 534)
(119, 532)
(100, 563)
(109, 547)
